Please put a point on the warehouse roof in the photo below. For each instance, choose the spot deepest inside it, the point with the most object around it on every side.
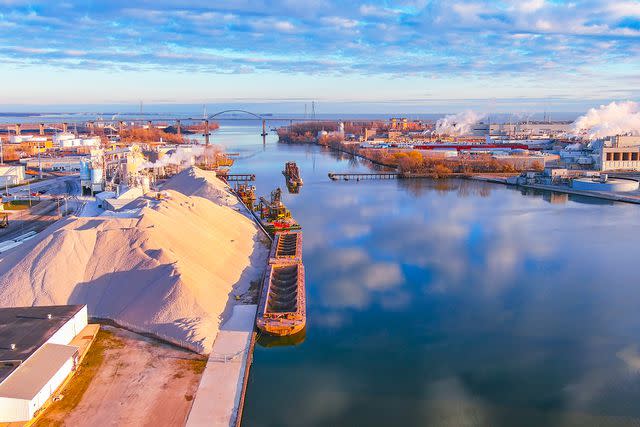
(28, 328)
(31, 377)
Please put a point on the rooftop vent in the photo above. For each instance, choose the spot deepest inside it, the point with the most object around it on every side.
(49, 316)
(13, 346)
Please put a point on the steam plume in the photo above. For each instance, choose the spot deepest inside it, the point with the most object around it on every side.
(458, 124)
(616, 118)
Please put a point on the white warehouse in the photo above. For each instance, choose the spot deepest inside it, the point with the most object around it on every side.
(35, 355)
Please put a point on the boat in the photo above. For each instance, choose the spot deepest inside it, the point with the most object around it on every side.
(282, 310)
(274, 215)
(292, 173)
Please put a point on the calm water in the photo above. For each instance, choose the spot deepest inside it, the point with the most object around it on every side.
(449, 303)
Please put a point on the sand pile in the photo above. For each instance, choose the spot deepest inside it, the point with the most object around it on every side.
(169, 272)
(198, 182)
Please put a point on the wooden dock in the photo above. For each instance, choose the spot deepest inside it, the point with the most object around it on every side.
(362, 176)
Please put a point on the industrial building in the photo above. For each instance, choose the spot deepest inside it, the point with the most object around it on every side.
(620, 153)
(36, 356)
(63, 163)
(523, 129)
(11, 174)
(17, 139)
(69, 140)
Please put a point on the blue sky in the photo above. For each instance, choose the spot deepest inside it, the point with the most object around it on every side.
(421, 56)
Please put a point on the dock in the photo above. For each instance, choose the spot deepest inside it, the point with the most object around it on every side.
(237, 177)
(362, 176)
(220, 395)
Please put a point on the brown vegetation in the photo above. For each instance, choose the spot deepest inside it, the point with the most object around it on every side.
(305, 132)
(150, 135)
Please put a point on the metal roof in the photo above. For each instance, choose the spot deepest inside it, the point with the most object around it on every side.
(28, 328)
(30, 377)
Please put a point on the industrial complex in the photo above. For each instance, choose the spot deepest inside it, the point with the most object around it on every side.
(141, 199)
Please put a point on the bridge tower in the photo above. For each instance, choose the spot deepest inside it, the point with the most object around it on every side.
(206, 131)
(41, 129)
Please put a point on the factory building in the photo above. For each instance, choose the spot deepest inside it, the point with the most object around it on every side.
(11, 174)
(66, 163)
(36, 356)
(17, 139)
(620, 153)
(522, 130)
(69, 140)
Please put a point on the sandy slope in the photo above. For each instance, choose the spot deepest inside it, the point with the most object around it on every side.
(169, 271)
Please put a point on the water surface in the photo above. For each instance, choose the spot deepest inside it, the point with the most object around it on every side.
(449, 303)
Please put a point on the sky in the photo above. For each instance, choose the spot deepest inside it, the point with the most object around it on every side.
(378, 56)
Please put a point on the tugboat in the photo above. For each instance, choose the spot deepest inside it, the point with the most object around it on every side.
(292, 174)
(274, 215)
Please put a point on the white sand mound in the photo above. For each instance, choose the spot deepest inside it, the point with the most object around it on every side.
(168, 272)
(198, 182)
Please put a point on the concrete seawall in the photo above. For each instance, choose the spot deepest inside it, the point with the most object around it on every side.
(615, 197)
(221, 390)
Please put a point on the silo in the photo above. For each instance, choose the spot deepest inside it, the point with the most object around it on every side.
(85, 171)
(96, 179)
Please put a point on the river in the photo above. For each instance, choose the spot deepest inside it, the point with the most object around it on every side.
(448, 302)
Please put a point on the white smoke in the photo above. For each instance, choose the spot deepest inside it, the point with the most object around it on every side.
(180, 156)
(458, 124)
(617, 118)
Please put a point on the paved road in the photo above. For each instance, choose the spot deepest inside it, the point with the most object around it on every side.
(60, 198)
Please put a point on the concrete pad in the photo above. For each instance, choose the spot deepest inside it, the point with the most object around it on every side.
(218, 396)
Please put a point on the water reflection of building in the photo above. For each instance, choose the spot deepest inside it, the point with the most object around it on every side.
(556, 198)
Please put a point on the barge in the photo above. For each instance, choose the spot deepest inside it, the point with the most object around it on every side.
(292, 174)
(274, 215)
(282, 310)
(286, 247)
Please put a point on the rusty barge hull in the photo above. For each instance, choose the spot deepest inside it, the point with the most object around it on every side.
(286, 248)
(282, 310)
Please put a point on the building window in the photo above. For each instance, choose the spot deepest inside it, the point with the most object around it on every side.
(609, 157)
(616, 157)
(625, 156)
(634, 156)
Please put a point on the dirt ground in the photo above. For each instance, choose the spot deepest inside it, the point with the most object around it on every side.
(128, 380)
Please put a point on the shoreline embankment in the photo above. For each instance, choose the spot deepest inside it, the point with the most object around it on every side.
(491, 177)
(219, 400)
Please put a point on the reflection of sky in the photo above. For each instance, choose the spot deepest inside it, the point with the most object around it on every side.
(455, 301)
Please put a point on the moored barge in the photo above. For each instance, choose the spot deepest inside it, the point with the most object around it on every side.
(286, 247)
(292, 174)
(282, 310)
(274, 215)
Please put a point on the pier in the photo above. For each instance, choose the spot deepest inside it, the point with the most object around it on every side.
(237, 177)
(361, 176)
